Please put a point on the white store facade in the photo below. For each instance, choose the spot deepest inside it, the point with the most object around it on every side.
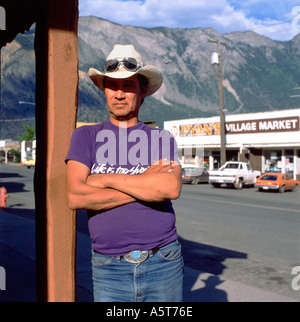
(269, 141)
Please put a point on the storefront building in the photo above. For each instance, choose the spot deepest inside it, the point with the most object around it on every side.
(269, 141)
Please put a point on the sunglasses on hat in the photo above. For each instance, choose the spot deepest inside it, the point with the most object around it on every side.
(130, 64)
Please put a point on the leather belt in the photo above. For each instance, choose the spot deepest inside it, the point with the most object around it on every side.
(137, 256)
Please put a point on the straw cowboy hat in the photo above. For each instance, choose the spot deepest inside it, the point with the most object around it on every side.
(123, 62)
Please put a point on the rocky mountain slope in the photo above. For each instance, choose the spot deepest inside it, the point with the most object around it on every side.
(259, 74)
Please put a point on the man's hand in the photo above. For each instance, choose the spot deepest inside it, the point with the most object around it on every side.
(161, 181)
(161, 166)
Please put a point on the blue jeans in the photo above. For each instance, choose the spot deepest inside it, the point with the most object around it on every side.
(158, 279)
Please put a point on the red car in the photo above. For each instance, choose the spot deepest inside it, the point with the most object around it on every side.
(276, 181)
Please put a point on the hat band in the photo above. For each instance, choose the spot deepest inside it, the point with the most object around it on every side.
(129, 63)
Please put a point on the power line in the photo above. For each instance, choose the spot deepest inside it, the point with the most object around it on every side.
(267, 33)
(18, 120)
(271, 25)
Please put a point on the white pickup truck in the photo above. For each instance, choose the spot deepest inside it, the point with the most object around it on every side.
(233, 174)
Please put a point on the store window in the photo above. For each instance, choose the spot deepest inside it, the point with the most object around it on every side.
(289, 162)
(273, 160)
(298, 163)
(232, 155)
(192, 157)
(217, 159)
(206, 160)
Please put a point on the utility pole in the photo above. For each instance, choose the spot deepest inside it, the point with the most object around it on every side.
(221, 104)
(0, 86)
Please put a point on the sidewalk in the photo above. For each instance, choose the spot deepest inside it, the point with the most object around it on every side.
(17, 257)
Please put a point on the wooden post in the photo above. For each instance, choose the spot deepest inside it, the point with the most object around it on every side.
(221, 103)
(56, 51)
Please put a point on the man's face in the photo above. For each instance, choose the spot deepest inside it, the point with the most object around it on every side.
(123, 97)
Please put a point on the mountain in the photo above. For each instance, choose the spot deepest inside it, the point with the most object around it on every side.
(259, 74)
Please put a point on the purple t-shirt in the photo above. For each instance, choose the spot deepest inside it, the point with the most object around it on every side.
(106, 148)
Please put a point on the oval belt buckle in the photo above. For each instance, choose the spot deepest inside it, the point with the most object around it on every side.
(136, 256)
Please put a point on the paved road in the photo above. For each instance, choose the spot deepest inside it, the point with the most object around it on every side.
(18, 180)
(244, 235)
(237, 245)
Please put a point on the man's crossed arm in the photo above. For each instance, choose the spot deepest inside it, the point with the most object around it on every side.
(161, 181)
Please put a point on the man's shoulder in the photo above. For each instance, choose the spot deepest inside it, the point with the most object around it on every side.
(91, 128)
(157, 132)
(156, 128)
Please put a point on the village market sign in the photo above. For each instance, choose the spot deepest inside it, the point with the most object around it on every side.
(284, 124)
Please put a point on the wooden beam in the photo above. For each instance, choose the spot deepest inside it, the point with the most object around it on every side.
(56, 48)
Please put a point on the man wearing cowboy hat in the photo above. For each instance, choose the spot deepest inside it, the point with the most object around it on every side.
(125, 174)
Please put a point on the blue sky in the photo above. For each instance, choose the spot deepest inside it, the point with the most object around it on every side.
(278, 20)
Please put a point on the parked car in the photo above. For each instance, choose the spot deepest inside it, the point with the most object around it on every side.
(194, 175)
(235, 174)
(276, 181)
(29, 163)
